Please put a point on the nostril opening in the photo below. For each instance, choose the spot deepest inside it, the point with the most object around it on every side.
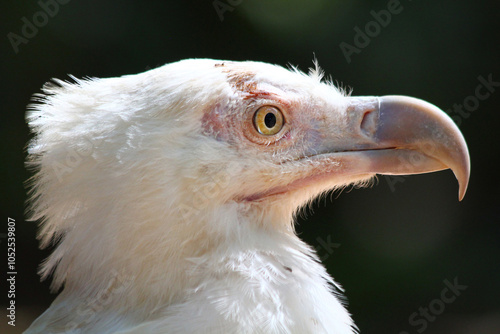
(368, 123)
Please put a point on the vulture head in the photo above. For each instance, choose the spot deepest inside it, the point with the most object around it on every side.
(170, 195)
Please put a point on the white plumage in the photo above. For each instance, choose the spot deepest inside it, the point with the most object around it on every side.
(172, 202)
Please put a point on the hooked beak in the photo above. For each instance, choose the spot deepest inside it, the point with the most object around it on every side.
(399, 135)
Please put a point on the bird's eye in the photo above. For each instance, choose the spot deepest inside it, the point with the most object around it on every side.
(268, 120)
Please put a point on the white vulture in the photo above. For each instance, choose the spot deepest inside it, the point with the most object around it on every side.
(170, 195)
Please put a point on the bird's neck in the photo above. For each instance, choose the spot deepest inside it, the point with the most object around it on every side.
(224, 266)
(163, 255)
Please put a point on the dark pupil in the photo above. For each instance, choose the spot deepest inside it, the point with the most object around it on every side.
(270, 120)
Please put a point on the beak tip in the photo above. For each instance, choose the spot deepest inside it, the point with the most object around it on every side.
(461, 194)
(462, 188)
(463, 181)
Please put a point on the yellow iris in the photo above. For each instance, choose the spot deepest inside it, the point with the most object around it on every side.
(268, 120)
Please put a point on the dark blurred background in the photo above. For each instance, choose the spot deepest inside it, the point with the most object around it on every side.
(395, 246)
